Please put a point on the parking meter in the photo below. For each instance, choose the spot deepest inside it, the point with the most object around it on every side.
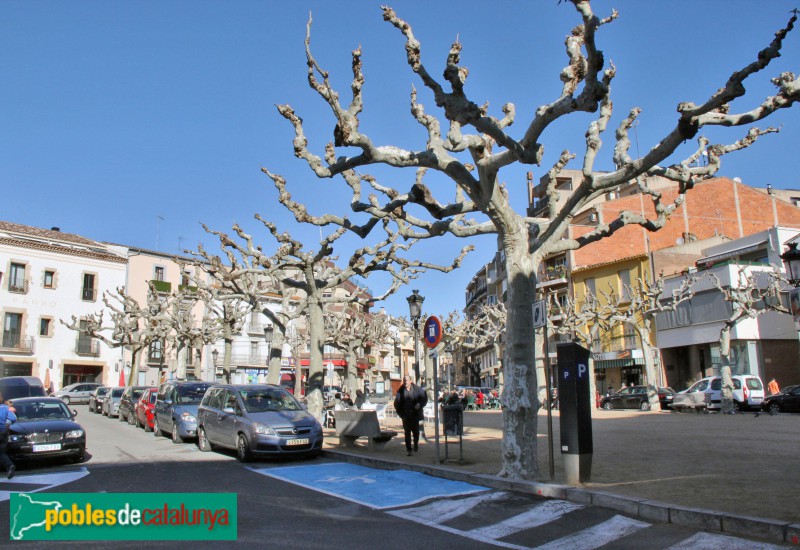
(575, 412)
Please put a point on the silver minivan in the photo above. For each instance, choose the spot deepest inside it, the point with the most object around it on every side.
(256, 420)
(748, 393)
(77, 393)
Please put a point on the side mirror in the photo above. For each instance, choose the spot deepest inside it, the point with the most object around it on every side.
(168, 401)
(74, 413)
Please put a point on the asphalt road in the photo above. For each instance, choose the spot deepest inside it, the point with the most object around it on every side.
(275, 513)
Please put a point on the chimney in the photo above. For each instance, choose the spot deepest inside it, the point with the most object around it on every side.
(55, 229)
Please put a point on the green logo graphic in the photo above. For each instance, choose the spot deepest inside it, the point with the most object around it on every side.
(123, 516)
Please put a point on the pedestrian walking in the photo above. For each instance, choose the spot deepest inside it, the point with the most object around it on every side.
(7, 417)
(360, 399)
(773, 387)
(409, 404)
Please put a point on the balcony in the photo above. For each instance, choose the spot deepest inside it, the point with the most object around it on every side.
(88, 294)
(87, 347)
(18, 286)
(251, 359)
(479, 292)
(12, 343)
(255, 327)
(162, 286)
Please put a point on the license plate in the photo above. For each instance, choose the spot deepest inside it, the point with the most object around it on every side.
(45, 448)
(756, 400)
(303, 441)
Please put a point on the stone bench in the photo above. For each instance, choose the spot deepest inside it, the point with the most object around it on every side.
(352, 424)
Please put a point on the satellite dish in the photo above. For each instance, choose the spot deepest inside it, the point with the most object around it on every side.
(679, 241)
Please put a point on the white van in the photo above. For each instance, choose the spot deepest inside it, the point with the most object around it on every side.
(748, 393)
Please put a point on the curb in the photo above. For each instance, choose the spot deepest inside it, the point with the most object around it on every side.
(648, 510)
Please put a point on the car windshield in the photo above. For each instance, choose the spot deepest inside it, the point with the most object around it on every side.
(153, 396)
(102, 391)
(754, 384)
(39, 410)
(263, 400)
(136, 394)
(117, 392)
(191, 394)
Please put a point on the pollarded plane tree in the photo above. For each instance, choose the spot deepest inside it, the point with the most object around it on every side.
(474, 147)
(313, 273)
(750, 294)
(637, 307)
(129, 325)
(485, 329)
(186, 332)
(352, 329)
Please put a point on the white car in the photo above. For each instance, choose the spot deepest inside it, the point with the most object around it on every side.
(748, 393)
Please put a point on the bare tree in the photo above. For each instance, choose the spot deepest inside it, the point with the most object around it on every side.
(479, 188)
(753, 293)
(312, 273)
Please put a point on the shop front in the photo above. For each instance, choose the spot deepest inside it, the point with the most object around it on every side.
(614, 368)
(75, 373)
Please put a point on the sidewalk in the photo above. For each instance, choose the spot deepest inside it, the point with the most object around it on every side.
(726, 473)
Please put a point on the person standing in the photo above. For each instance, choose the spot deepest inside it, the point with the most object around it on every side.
(409, 404)
(773, 387)
(7, 417)
(360, 399)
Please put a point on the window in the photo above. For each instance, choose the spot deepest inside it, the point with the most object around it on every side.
(590, 287)
(49, 279)
(625, 284)
(12, 330)
(44, 326)
(159, 273)
(88, 292)
(154, 352)
(185, 278)
(84, 343)
(16, 278)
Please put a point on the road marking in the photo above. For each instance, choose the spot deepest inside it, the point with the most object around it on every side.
(597, 536)
(441, 511)
(371, 487)
(709, 541)
(45, 481)
(540, 514)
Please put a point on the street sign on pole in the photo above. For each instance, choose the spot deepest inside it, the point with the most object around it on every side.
(539, 317)
(432, 331)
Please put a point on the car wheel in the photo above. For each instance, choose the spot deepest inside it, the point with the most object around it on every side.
(645, 405)
(176, 438)
(146, 425)
(136, 421)
(736, 407)
(156, 428)
(243, 449)
(774, 408)
(607, 405)
(202, 441)
(132, 420)
(65, 399)
(120, 417)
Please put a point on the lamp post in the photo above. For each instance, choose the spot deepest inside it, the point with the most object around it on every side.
(791, 262)
(214, 357)
(415, 311)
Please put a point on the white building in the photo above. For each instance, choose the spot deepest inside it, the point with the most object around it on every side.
(47, 276)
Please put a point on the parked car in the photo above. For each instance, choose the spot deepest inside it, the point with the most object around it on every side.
(665, 397)
(45, 428)
(77, 393)
(128, 401)
(97, 398)
(706, 394)
(176, 409)
(13, 387)
(256, 420)
(787, 400)
(632, 397)
(144, 411)
(111, 402)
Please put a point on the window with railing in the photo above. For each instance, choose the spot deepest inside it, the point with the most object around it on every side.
(12, 330)
(16, 279)
(88, 291)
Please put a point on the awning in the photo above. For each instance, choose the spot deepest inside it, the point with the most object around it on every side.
(617, 363)
(730, 254)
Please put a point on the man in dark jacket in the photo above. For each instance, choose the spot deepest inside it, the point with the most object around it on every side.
(409, 404)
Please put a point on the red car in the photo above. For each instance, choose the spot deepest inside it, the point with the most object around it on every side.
(144, 409)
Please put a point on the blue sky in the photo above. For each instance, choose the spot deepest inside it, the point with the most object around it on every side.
(114, 115)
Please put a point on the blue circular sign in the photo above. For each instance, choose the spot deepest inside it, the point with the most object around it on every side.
(432, 331)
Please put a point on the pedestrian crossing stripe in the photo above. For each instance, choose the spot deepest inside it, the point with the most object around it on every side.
(33, 483)
(378, 489)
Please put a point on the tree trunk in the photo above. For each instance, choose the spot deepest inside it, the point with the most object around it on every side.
(316, 330)
(226, 359)
(134, 363)
(275, 353)
(519, 393)
(352, 369)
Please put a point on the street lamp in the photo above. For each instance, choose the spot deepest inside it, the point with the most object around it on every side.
(791, 261)
(415, 310)
(214, 357)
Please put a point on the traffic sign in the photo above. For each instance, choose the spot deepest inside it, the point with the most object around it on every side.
(539, 317)
(432, 331)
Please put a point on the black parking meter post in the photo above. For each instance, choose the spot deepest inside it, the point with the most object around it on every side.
(575, 412)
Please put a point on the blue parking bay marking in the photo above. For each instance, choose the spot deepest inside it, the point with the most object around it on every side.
(371, 487)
